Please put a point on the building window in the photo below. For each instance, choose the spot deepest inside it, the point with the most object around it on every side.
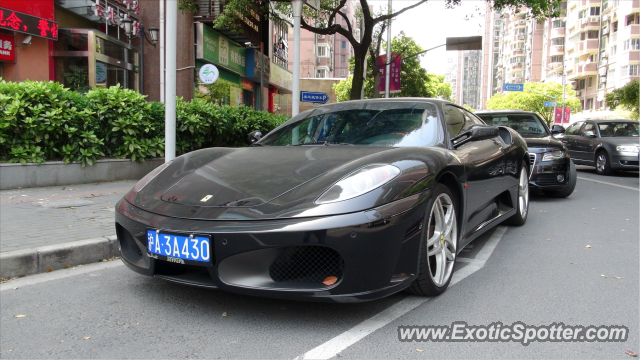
(557, 41)
(498, 21)
(611, 76)
(632, 19)
(322, 73)
(633, 70)
(343, 58)
(322, 51)
(496, 44)
(344, 44)
(343, 72)
(280, 43)
(595, 11)
(590, 81)
(593, 34)
(557, 58)
(614, 50)
(557, 24)
(614, 27)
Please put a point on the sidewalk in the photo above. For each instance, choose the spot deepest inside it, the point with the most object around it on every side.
(36, 217)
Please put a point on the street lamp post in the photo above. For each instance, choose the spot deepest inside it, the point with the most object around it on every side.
(387, 78)
(152, 33)
(297, 14)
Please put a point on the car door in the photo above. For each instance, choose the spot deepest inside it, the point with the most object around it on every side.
(484, 163)
(582, 142)
(569, 137)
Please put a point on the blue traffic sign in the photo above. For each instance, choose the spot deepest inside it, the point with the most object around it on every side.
(314, 97)
(513, 87)
(549, 103)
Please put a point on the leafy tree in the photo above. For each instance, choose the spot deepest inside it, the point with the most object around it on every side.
(469, 108)
(532, 101)
(323, 21)
(343, 89)
(627, 98)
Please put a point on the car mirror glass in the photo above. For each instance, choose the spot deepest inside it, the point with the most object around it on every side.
(255, 136)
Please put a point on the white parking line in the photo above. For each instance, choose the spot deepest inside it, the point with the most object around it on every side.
(336, 345)
(608, 183)
(59, 274)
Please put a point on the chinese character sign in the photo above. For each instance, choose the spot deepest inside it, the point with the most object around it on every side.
(394, 83)
(558, 115)
(7, 48)
(17, 21)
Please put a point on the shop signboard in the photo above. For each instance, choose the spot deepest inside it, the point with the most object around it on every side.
(7, 48)
(281, 77)
(209, 74)
(396, 65)
(217, 49)
(27, 24)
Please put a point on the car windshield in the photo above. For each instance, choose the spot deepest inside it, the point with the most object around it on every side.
(362, 123)
(527, 125)
(616, 129)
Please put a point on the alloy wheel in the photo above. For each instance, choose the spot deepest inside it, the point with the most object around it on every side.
(523, 193)
(442, 238)
(601, 163)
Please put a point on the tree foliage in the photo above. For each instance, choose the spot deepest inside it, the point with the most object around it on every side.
(627, 98)
(324, 20)
(532, 101)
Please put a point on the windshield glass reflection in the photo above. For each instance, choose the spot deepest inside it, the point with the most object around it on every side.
(526, 125)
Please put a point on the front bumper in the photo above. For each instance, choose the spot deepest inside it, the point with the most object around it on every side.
(625, 161)
(376, 252)
(544, 174)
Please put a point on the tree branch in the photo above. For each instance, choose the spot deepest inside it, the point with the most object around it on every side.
(350, 29)
(391, 16)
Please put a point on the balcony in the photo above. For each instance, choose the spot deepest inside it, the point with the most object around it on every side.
(582, 71)
(556, 50)
(589, 46)
(557, 32)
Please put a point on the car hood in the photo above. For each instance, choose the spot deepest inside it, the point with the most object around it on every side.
(252, 176)
(547, 142)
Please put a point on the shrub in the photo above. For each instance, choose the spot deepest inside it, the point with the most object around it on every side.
(44, 120)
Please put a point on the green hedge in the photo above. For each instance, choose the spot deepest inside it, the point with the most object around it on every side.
(41, 121)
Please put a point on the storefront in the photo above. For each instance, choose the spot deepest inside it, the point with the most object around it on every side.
(232, 87)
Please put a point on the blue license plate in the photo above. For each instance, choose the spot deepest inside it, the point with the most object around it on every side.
(196, 248)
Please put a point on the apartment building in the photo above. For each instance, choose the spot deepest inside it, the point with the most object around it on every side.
(451, 76)
(327, 56)
(467, 87)
(594, 45)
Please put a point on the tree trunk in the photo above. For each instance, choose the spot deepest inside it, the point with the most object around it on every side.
(377, 77)
(358, 74)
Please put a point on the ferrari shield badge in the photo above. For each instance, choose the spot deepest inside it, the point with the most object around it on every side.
(204, 199)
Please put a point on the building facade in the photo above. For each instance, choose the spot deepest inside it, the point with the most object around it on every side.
(468, 78)
(594, 46)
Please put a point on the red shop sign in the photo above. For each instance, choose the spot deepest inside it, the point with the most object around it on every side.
(7, 48)
(17, 21)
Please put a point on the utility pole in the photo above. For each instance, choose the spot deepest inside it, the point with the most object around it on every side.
(387, 78)
(161, 36)
(297, 14)
(170, 106)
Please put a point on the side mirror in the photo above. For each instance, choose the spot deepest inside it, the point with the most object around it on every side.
(557, 129)
(589, 134)
(475, 133)
(255, 136)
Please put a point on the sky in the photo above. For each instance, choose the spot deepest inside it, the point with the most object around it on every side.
(431, 23)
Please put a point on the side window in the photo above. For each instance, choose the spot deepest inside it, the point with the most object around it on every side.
(573, 129)
(471, 119)
(454, 119)
(588, 127)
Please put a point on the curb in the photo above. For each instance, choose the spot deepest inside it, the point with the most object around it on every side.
(55, 257)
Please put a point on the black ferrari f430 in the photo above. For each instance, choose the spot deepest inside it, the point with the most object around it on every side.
(345, 202)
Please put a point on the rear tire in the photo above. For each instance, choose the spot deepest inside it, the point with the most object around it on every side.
(572, 179)
(522, 202)
(439, 242)
(603, 163)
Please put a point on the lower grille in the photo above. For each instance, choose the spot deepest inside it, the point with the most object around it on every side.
(128, 244)
(308, 264)
(546, 179)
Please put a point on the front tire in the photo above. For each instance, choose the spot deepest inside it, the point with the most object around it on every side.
(439, 241)
(522, 207)
(572, 179)
(603, 164)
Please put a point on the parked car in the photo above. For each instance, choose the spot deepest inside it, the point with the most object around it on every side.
(608, 145)
(345, 202)
(553, 172)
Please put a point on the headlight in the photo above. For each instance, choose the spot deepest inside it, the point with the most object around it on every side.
(359, 182)
(553, 155)
(627, 148)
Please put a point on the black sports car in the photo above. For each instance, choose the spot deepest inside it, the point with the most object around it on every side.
(346, 202)
(553, 172)
(606, 144)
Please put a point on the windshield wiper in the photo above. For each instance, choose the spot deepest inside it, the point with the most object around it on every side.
(324, 143)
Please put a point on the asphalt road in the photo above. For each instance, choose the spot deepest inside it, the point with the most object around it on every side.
(540, 273)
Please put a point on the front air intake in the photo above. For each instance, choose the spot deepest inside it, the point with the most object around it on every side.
(307, 264)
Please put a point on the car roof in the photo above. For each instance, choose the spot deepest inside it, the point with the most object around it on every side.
(395, 99)
(611, 120)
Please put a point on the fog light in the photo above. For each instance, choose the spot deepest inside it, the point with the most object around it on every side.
(560, 178)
